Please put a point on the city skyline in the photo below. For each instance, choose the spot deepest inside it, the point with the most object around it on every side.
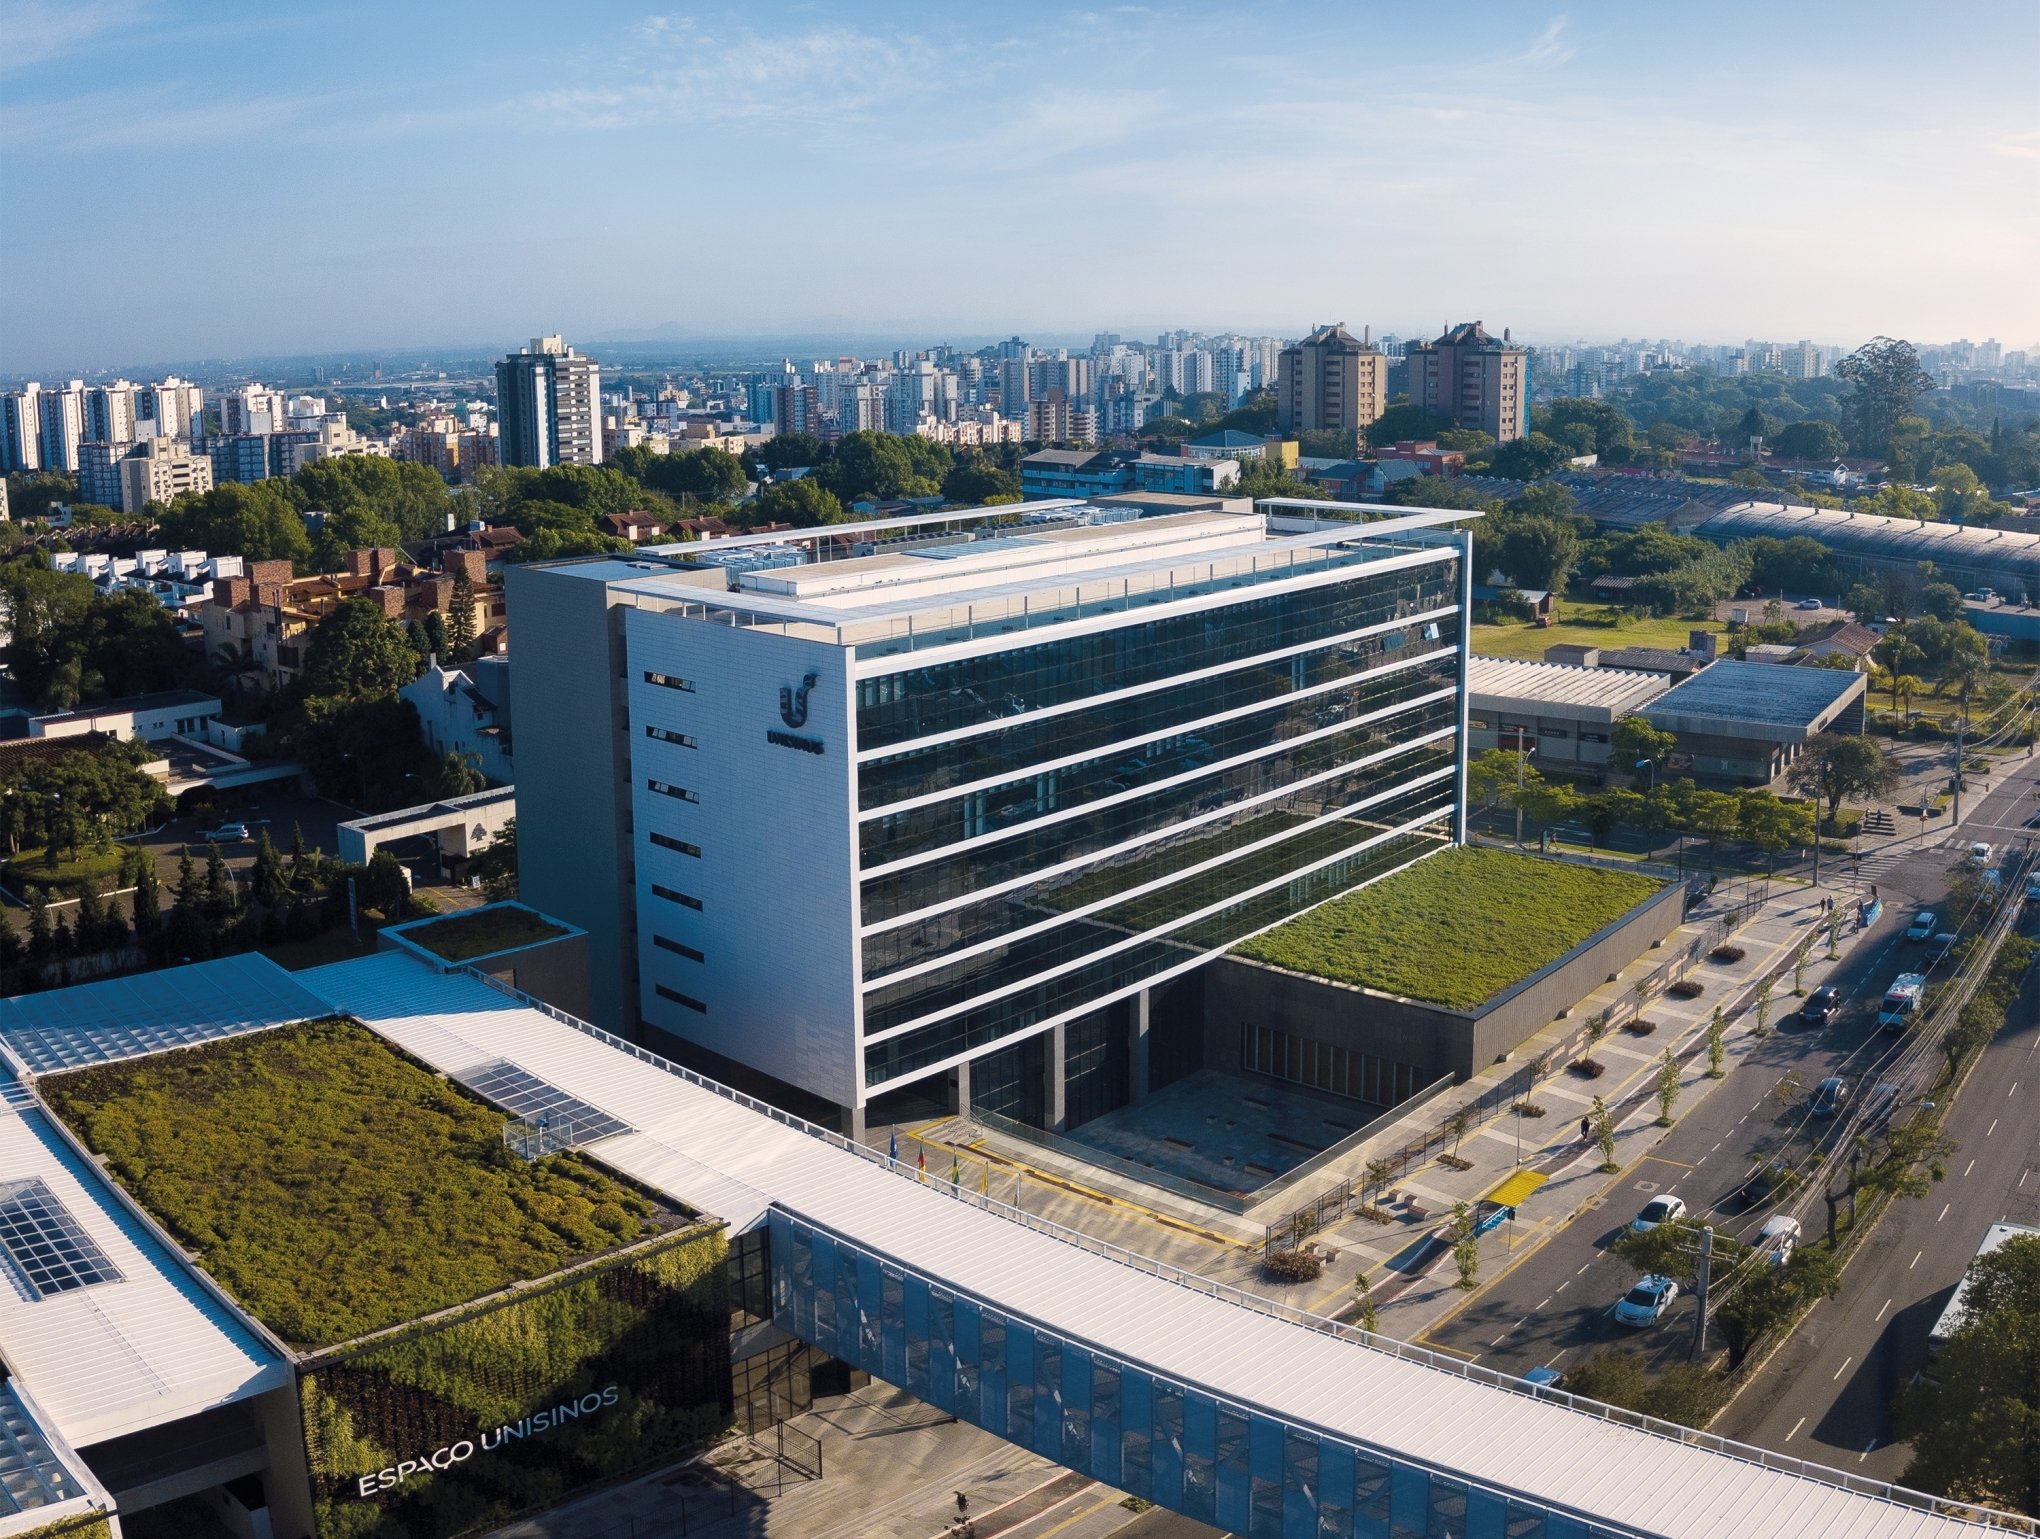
(614, 175)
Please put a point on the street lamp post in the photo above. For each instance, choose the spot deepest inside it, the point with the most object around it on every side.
(1522, 753)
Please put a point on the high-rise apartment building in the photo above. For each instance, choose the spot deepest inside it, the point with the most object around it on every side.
(161, 470)
(110, 413)
(1330, 380)
(99, 472)
(62, 426)
(21, 428)
(172, 409)
(253, 409)
(1057, 418)
(942, 813)
(549, 401)
(1473, 380)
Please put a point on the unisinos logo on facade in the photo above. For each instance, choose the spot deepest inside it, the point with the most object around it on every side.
(593, 1403)
(793, 711)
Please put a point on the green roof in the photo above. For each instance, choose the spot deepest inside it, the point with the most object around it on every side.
(1455, 929)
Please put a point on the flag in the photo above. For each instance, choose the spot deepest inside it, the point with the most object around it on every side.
(984, 1180)
(893, 1151)
(921, 1166)
(955, 1169)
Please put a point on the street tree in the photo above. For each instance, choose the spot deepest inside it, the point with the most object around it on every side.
(1639, 748)
(1834, 767)
(1465, 1246)
(1974, 1424)
(1602, 1123)
(1667, 1087)
(1765, 1298)
(1717, 1045)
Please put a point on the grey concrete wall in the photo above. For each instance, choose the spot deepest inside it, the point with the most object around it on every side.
(556, 971)
(1433, 1039)
(573, 769)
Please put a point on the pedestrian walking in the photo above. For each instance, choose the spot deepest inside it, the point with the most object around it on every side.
(1586, 1127)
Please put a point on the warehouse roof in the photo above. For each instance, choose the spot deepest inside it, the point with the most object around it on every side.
(2012, 557)
(1602, 694)
(1763, 700)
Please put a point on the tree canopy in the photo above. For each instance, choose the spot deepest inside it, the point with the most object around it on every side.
(357, 652)
(1884, 379)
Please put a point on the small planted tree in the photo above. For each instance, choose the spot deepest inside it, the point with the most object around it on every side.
(1799, 974)
(1834, 928)
(1603, 1123)
(1717, 1045)
(1667, 1087)
(1465, 1246)
(1379, 1174)
(1369, 1317)
(1763, 1027)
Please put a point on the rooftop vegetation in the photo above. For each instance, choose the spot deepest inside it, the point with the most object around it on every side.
(1455, 929)
(333, 1185)
(483, 932)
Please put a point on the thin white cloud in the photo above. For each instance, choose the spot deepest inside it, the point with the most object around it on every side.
(681, 72)
(36, 31)
(1550, 46)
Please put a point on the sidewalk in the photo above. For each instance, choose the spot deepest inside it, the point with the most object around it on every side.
(1410, 1301)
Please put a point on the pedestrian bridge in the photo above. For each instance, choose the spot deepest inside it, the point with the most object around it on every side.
(1201, 1398)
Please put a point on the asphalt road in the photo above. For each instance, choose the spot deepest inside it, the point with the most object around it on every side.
(1554, 1308)
(1827, 1394)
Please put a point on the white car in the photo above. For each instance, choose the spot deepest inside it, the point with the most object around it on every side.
(1777, 1239)
(1979, 854)
(1646, 1303)
(226, 833)
(1659, 1210)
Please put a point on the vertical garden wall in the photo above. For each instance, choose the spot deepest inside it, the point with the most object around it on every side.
(465, 1423)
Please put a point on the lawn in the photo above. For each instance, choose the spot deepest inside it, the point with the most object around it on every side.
(99, 867)
(1455, 929)
(333, 1185)
(483, 932)
(1585, 625)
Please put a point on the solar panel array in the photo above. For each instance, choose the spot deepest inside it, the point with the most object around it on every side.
(569, 1121)
(39, 1235)
(120, 1018)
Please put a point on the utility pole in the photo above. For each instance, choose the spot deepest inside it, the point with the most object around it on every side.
(1700, 1293)
(1522, 753)
(1961, 722)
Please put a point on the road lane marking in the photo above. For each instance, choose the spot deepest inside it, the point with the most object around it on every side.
(1561, 1288)
(1880, 1310)
(1915, 1260)
(1699, 1162)
(1944, 1211)
(1717, 1146)
(1969, 1167)
(2022, 1176)
(1795, 1428)
(2015, 1088)
(1499, 1339)
(1992, 1128)
(1582, 1269)
(1844, 1368)
(1547, 1299)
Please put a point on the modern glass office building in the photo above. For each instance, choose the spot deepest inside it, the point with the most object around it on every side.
(937, 801)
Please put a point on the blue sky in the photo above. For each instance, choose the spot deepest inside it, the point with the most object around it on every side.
(188, 180)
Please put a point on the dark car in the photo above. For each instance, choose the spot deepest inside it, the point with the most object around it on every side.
(1821, 1005)
(1829, 1095)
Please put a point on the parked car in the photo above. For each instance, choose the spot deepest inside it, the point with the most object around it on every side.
(1646, 1303)
(1777, 1239)
(1940, 949)
(1922, 925)
(1809, 604)
(226, 833)
(1659, 1210)
(1546, 1377)
(1829, 1095)
(1821, 1005)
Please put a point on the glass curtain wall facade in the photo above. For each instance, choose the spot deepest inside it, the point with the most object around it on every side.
(1047, 827)
(1170, 1443)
